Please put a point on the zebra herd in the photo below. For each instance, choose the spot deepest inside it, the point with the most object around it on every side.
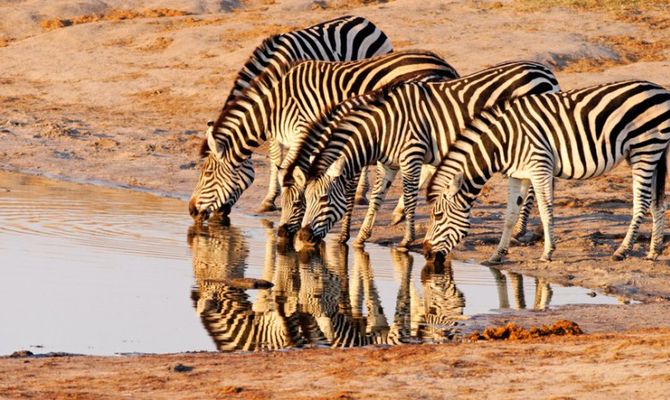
(333, 99)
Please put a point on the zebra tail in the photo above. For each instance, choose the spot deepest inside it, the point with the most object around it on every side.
(661, 174)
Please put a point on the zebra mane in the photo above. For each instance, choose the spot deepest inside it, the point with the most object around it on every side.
(444, 173)
(260, 83)
(267, 46)
(204, 148)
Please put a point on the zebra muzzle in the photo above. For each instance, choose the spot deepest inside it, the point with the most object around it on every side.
(436, 258)
(225, 209)
(286, 231)
(193, 209)
(306, 235)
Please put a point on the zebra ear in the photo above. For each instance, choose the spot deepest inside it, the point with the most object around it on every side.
(455, 185)
(299, 177)
(281, 175)
(213, 146)
(335, 170)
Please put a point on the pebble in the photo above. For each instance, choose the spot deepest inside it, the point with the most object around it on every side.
(182, 368)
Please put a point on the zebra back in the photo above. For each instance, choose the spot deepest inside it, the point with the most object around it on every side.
(438, 111)
(340, 39)
(583, 132)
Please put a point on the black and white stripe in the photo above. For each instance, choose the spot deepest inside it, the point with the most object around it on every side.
(402, 128)
(341, 39)
(284, 111)
(579, 134)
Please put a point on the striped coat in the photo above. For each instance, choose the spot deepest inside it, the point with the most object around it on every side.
(579, 134)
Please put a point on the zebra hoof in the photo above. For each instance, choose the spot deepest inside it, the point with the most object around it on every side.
(267, 206)
(493, 261)
(651, 257)
(404, 245)
(545, 258)
(397, 218)
(402, 248)
(618, 256)
(361, 201)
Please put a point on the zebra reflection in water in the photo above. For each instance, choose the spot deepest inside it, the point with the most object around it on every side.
(543, 292)
(315, 299)
(232, 320)
(327, 297)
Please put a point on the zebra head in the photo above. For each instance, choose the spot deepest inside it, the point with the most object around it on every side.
(325, 203)
(449, 222)
(220, 184)
(292, 203)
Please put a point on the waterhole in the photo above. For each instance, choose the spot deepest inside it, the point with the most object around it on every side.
(94, 270)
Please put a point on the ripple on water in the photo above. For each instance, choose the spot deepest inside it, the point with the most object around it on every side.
(88, 269)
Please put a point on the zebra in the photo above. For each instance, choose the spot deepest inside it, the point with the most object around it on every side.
(404, 127)
(340, 39)
(577, 134)
(282, 112)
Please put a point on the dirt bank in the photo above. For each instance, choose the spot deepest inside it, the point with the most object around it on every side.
(600, 366)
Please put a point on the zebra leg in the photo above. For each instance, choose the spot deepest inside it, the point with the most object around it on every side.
(411, 172)
(274, 186)
(362, 189)
(346, 219)
(658, 209)
(385, 176)
(544, 191)
(543, 294)
(521, 226)
(657, 233)
(516, 193)
(641, 201)
(427, 171)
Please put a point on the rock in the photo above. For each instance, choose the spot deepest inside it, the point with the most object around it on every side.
(188, 165)
(22, 354)
(182, 368)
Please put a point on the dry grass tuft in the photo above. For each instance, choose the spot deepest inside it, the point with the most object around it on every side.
(629, 50)
(339, 4)
(113, 15)
(513, 331)
(159, 44)
(619, 7)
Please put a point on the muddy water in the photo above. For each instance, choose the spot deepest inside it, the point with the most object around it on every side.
(94, 270)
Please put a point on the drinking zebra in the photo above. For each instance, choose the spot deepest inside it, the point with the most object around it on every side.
(578, 134)
(341, 39)
(403, 127)
(282, 112)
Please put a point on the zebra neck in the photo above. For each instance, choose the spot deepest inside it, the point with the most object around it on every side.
(243, 125)
(481, 160)
(271, 60)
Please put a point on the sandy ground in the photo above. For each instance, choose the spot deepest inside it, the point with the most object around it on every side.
(91, 93)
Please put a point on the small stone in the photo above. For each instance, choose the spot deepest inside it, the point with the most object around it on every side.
(182, 368)
(188, 165)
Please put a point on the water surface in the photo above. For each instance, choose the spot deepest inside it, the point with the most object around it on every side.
(94, 270)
